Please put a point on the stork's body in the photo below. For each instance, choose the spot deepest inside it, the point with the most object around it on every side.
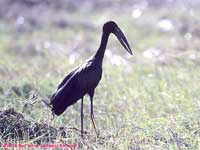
(82, 80)
(85, 78)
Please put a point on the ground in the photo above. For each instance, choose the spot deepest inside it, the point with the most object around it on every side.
(146, 101)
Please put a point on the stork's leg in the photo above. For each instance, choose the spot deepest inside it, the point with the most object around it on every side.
(92, 117)
(82, 117)
(91, 113)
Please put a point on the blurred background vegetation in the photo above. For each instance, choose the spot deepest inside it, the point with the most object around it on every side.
(148, 101)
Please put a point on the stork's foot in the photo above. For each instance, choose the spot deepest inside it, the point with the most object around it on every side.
(85, 132)
(97, 133)
(78, 130)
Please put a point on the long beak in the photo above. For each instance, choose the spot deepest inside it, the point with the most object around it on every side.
(122, 39)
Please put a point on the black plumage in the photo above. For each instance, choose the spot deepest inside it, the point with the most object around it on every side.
(85, 78)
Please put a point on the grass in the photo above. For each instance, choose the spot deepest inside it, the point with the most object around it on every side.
(139, 104)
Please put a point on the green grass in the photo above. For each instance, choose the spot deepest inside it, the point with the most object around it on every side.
(138, 105)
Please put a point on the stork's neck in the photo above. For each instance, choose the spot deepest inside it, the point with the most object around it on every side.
(101, 50)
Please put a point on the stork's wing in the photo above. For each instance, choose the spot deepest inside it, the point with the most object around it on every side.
(67, 77)
(63, 97)
(69, 92)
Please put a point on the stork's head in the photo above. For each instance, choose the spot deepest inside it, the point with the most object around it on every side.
(112, 27)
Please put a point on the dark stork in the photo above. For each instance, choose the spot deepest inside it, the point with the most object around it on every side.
(84, 79)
